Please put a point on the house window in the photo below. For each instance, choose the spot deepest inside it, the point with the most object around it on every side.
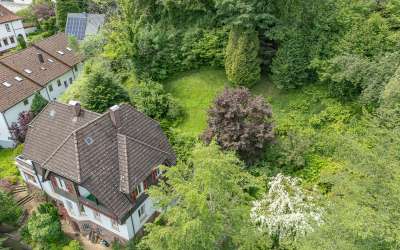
(114, 225)
(30, 177)
(51, 88)
(58, 83)
(139, 189)
(158, 172)
(86, 227)
(142, 212)
(5, 41)
(12, 40)
(97, 215)
(61, 184)
(8, 27)
(70, 80)
(75, 68)
(26, 102)
(65, 84)
(70, 207)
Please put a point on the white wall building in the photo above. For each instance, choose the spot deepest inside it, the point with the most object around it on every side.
(11, 28)
(96, 167)
(30, 71)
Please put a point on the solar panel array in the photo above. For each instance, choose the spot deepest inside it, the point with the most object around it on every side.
(76, 26)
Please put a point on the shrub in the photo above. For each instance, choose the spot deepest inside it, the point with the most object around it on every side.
(150, 98)
(242, 64)
(20, 128)
(240, 122)
(38, 103)
(9, 210)
(73, 245)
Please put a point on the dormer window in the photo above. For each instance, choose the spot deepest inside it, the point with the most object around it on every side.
(68, 48)
(19, 79)
(28, 71)
(50, 60)
(7, 84)
(60, 52)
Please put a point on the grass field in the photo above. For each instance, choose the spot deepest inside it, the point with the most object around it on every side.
(196, 92)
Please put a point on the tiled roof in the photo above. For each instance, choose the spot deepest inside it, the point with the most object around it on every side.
(96, 153)
(7, 15)
(27, 60)
(13, 91)
(57, 46)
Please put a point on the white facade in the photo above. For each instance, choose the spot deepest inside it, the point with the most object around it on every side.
(52, 91)
(126, 231)
(26, 2)
(9, 33)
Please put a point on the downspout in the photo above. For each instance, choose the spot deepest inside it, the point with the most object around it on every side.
(133, 226)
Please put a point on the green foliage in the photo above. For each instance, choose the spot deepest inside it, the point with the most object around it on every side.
(9, 210)
(201, 192)
(38, 103)
(63, 7)
(242, 64)
(290, 65)
(8, 170)
(73, 245)
(182, 143)
(21, 42)
(100, 90)
(150, 98)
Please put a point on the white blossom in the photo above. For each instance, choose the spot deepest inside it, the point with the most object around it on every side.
(285, 211)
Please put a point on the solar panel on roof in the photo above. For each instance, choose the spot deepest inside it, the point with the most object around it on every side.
(76, 26)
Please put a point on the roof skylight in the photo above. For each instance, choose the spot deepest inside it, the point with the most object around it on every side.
(7, 84)
(88, 140)
(18, 78)
(50, 60)
(68, 48)
(60, 52)
(28, 71)
(42, 68)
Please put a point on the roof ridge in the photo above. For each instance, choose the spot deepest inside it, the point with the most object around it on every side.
(145, 144)
(57, 149)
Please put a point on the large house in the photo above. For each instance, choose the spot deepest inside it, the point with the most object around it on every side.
(11, 28)
(47, 67)
(96, 167)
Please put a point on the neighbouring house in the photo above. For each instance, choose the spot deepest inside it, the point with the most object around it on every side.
(47, 67)
(11, 28)
(81, 25)
(96, 167)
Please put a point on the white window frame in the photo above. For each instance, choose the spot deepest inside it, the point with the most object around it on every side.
(142, 214)
(8, 28)
(70, 207)
(158, 172)
(139, 189)
(82, 210)
(61, 184)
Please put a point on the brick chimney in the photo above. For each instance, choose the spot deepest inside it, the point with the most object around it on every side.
(75, 107)
(115, 114)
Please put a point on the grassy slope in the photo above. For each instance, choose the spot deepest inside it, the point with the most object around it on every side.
(7, 166)
(196, 91)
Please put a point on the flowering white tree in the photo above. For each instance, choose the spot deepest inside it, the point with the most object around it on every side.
(285, 212)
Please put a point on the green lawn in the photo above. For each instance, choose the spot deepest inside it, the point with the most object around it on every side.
(196, 91)
(8, 170)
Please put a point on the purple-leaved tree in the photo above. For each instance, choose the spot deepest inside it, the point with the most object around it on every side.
(241, 122)
(20, 128)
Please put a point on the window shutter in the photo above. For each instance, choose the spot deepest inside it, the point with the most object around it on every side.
(154, 175)
(53, 182)
(134, 195)
(70, 188)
